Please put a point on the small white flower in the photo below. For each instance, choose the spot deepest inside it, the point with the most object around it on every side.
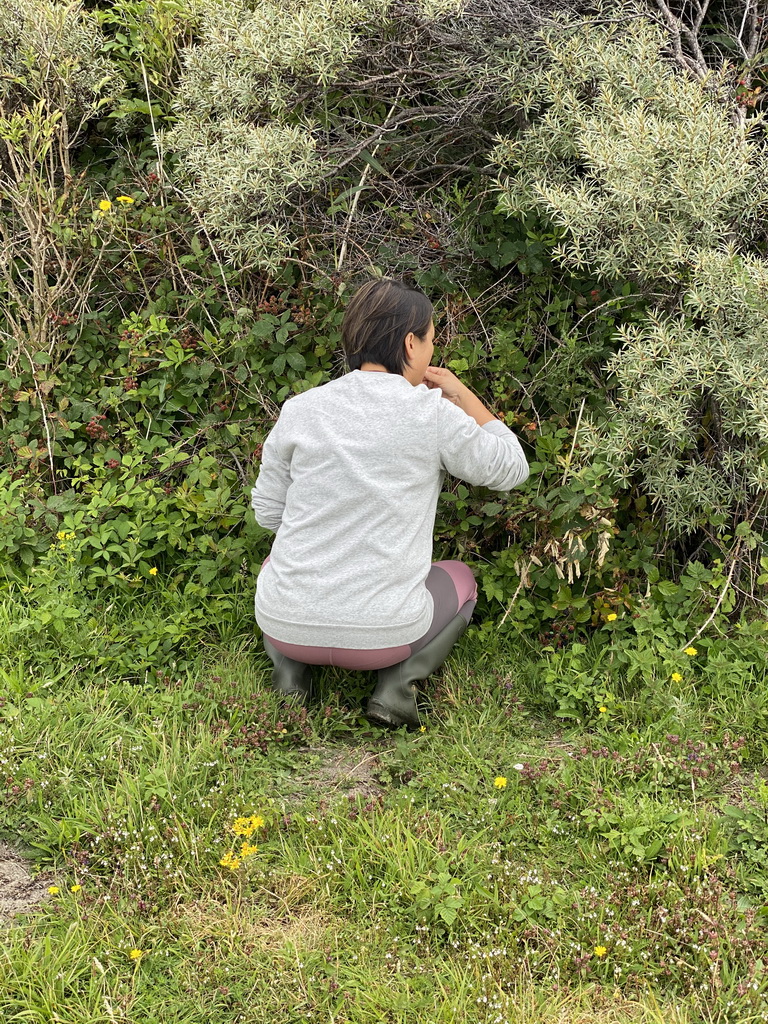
(518, 767)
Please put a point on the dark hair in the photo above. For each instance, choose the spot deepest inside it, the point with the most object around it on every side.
(378, 317)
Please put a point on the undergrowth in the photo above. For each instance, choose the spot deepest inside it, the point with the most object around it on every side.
(508, 862)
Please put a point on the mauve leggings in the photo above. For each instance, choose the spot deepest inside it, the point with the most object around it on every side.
(454, 592)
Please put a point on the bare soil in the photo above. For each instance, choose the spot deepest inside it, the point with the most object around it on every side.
(742, 783)
(19, 890)
(348, 772)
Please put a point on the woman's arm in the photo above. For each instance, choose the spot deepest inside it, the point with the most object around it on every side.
(268, 496)
(475, 445)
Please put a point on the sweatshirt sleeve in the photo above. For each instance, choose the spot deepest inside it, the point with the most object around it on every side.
(487, 456)
(268, 496)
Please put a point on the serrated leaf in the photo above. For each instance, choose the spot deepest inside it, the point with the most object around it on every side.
(264, 327)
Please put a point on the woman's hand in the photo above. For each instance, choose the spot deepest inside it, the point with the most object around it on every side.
(449, 383)
(458, 393)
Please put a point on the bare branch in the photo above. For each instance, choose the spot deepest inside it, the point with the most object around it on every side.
(679, 31)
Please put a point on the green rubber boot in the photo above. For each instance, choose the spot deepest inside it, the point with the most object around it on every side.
(291, 679)
(393, 702)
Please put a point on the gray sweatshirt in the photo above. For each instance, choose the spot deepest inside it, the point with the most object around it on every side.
(350, 478)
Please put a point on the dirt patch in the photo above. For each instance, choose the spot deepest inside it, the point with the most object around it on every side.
(743, 783)
(305, 928)
(558, 745)
(347, 772)
(19, 891)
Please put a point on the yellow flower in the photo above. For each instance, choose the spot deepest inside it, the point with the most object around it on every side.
(603, 710)
(70, 536)
(245, 827)
(611, 617)
(136, 954)
(125, 199)
(153, 571)
(229, 860)
(54, 890)
(248, 849)
(499, 782)
(600, 951)
(423, 728)
(676, 677)
(61, 535)
(75, 888)
(105, 205)
(690, 651)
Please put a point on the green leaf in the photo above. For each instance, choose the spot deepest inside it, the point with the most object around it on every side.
(652, 850)
(667, 589)
(264, 328)
(370, 159)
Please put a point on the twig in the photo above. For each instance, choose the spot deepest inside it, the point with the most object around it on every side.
(573, 443)
(351, 214)
(363, 176)
(158, 147)
(243, 477)
(478, 314)
(523, 574)
(215, 255)
(720, 599)
(615, 298)
(41, 399)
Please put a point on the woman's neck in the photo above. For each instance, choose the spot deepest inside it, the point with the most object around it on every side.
(408, 374)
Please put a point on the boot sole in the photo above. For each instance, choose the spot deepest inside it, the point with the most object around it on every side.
(381, 716)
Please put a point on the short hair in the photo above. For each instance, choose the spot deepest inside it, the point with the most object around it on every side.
(377, 319)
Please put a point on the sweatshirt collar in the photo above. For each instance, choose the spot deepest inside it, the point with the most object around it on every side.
(363, 374)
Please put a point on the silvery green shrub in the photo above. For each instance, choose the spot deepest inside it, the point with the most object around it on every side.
(649, 178)
(53, 52)
(253, 129)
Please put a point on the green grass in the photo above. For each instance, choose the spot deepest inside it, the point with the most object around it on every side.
(393, 881)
